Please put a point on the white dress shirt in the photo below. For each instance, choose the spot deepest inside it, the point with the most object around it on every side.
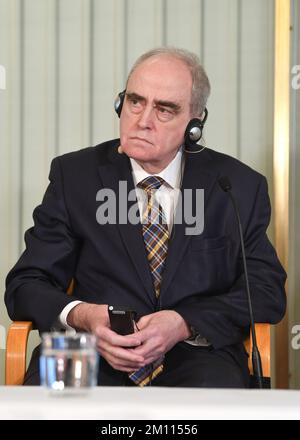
(167, 195)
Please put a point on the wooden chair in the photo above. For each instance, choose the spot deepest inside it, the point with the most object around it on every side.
(263, 336)
(16, 347)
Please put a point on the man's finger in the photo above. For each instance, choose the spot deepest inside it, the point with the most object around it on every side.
(121, 364)
(120, 353)
(118, 340)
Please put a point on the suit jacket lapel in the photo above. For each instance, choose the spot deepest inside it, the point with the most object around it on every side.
(196, 176)
(118, 169)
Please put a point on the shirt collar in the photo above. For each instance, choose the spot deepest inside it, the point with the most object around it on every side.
(171, 174)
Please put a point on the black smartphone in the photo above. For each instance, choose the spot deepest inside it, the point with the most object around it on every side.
(121, 320)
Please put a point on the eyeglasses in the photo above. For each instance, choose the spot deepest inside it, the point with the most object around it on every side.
(163, 113)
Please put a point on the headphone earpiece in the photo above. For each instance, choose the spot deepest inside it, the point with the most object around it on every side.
(119, 101)
(193, 131)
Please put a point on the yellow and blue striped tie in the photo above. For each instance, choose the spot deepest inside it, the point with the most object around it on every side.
(156, 236)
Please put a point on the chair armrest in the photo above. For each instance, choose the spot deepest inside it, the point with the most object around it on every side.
(263, 336)
(16, 347)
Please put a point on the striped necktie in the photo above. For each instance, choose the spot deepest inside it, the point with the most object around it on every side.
(156, 236)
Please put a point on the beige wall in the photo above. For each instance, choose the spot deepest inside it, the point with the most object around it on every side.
(67, 59)
(294, 240)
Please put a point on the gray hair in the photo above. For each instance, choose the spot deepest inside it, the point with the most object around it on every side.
(200, 81)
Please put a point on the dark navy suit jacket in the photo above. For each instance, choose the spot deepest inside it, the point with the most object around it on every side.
(203, 279)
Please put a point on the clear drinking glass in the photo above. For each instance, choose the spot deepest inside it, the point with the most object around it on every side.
(68, 362)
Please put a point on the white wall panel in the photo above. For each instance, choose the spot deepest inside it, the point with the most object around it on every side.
(220, 59)
(37, 91)
(145, 27)
(73, 74)
(256, 84)
(10, 134)
(184, 24)
(108, 69)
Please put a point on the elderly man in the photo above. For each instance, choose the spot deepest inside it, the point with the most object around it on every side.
(187, 289)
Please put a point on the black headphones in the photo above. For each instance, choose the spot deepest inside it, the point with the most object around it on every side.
(119, 101)
(193, 131)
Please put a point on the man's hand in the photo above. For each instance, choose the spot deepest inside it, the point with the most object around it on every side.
(116, 349)
(159, 332)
